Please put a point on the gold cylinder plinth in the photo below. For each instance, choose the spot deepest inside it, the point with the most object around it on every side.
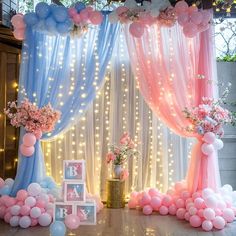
(115, 193)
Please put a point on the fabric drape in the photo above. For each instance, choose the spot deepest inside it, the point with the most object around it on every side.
(66, 71)
(175, 72)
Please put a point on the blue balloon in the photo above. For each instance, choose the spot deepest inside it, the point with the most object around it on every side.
(30, 19)
(62, 28)
(42, 10)
(40, 25)
(57, 228)
(5, 190)
(43, 183)
(60, 14)
(79, 6)
(70, 24)
(50, 25)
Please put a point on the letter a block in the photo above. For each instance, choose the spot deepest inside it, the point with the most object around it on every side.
(74, 192)
(61, 210)
(74, 170)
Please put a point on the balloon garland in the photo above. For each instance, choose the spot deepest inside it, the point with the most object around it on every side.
(56, 19)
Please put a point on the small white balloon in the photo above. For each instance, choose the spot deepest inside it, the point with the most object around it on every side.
(34, 189)
(35, 212)
(228, 187)
(218, 144)
(30, 201)
(43, 197)
(14, 221)
(207, 192)
(15, 210)
(25, 222)
(45, 219)
(9, 182)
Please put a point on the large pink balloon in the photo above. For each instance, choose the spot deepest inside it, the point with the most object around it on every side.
(190, 30)
(206, 16)
(147, 210)
(95, 17)
(21, 195)
(19, 34)
(26, 151)
(183, 18)
(196, 17)
(132, 203)
(72, 12)
(18, 21)
(163, 210)
(84, 15)
(209, 214)
(172, 209)
(192, 9)
(218, 222)
(136, 29)
(228, 215)
(181, 6)
(29, 139)
(181, 213)
(155, 203)
(209, 137)
(195, 221)
(207, 149)
(38, 134)
(207, 225)
(72, 221)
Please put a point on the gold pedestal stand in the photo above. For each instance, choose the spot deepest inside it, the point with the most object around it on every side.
(115, 193)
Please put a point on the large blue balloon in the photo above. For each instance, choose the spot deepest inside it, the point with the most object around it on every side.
(5, 190)
(42, 10)
(30, 19)
(50, 25)
(60, 14)
(62, 28)
(79, 6)
(58, 228)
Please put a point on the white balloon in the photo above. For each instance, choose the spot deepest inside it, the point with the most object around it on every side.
(34, 189)
(14, 221)
(206, 192)
(43, 197)
(30, 201)
(207, 149)
(25, 222)
(218, 144)
(221, 205)
(228, 187)
(9, 182)
(45, 219)
(211, 202)
(35, 212)
(15, 210)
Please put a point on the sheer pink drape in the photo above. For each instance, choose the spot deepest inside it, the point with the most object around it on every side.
(174, 72)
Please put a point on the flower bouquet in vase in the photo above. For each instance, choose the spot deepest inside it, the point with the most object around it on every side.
(119, 154)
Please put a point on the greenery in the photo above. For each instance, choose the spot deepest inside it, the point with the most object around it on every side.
(227, 58)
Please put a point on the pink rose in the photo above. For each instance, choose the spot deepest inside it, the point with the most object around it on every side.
(110, 157)
(124, 174)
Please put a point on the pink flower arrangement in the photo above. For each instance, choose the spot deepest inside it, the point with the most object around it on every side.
(32, 118)
(209, 116)
(124, 174)
(119, 154)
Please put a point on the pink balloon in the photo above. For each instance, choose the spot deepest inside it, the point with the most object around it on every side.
(18, 21)
(185, 195)
(190, 30)
(203, 27)
(27, 151)
(192, 211)
(207, 225)
(219, 222)
(147, 210)
(189, 205)
(136, 29)
(187, 216)
(181, 6)
(84, 15)
(189, 200)
(132, 203)
(195, 221)
(146, 19)
(21, 195)
(146, 199)
(155, 203)
(10, 202)
(207, 149)
(19, 34)
(167, 200)
(183, 18)
(228, 215)
(2, 182)
(25, 210)
(180, 203)
(95, 17)
(209, 214)
(40, 203)
(72, 12)
(120, 10)
(209, 137)
(72, 221)
(153, 192)
(206, 16)
(20, 203)
(89, 9)
(7, 217)
(77, 19)
(2, 211)
(34, 222)
(218, 212)
(199, 203)
(163, 210)
(38, 134)
(172, 209)
(181, 213)
(196, 17)
(192, 9)
(134, 195)
(29, 139)
(179, 186)
(196, 195)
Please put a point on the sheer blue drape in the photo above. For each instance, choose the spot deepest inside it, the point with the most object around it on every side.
(65, 71)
